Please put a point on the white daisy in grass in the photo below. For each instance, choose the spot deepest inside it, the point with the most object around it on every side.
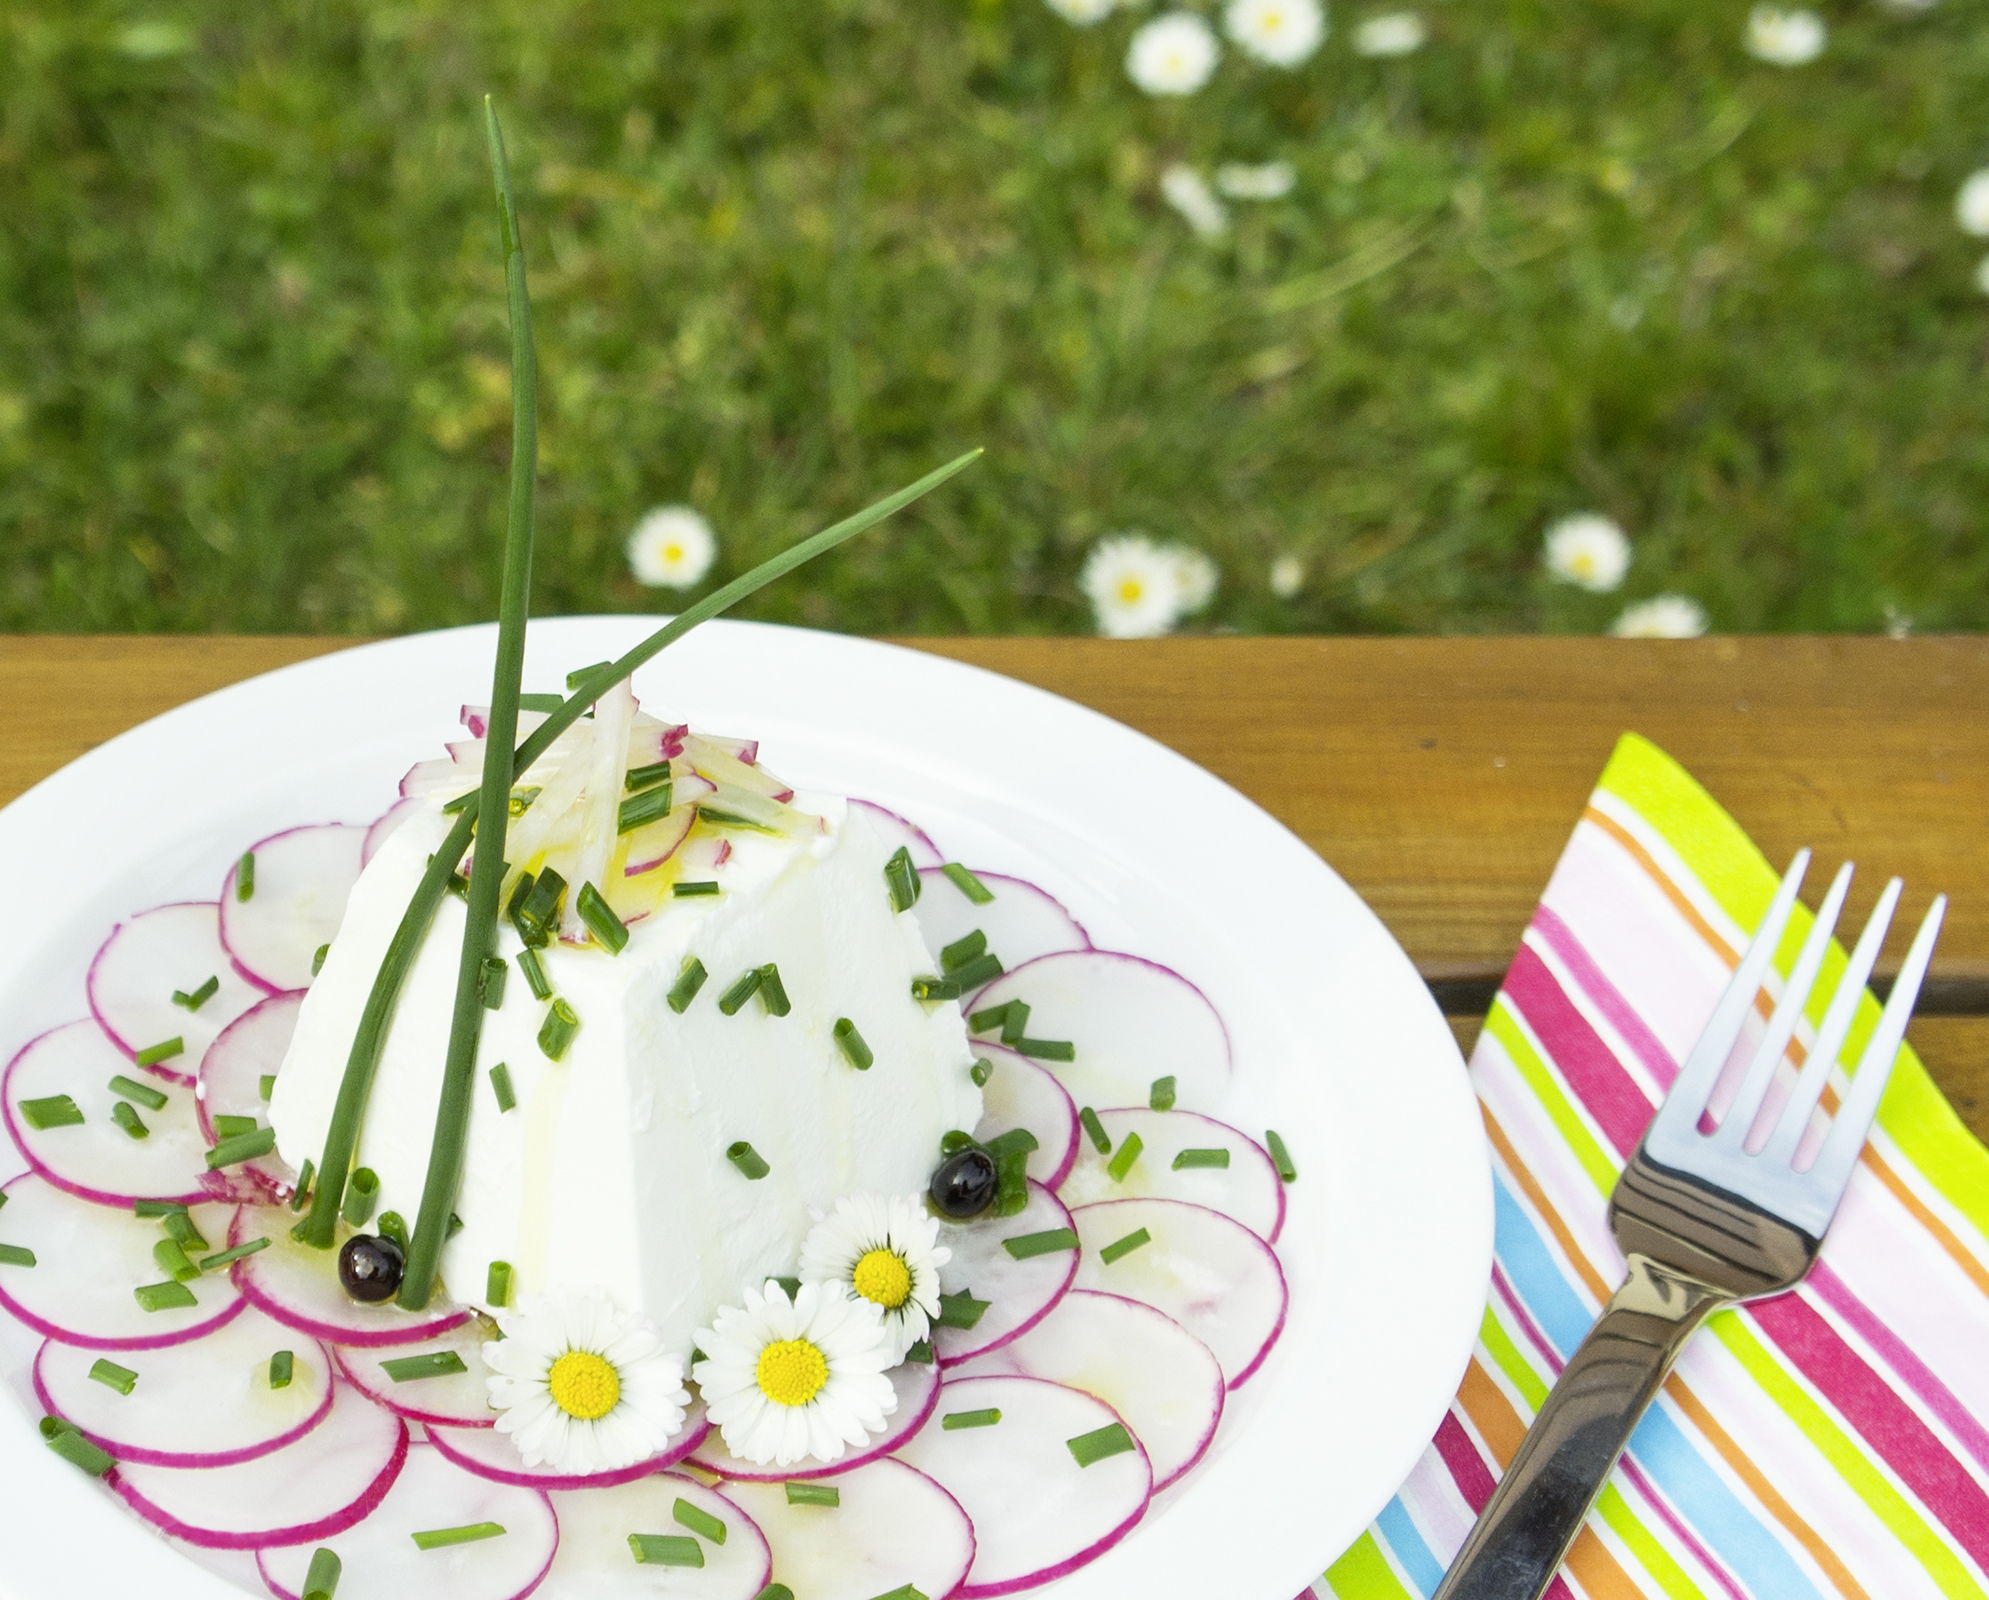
(1267, 180)
(1588, 550)
(884, 1249)
(1188, 192)
(1784, 38)
(784, 1379)
(582, 1386)
(1133, 586)
(671, 548)
(1287, 577)
(1281, 32)
(1082, 12)
(1665, 616)
(1971, 204)
(1195, 577)
(1982, 275)
(1174, 54)
(1397, 33)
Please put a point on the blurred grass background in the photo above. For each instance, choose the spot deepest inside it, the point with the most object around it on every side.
(1576, 254)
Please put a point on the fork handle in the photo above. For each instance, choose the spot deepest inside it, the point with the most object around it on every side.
(1565, 1458)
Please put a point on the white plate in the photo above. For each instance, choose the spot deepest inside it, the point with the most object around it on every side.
(1337, 1043)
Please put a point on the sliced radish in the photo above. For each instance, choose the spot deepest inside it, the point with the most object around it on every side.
(491, 1454)
(1020, 1094)
(89, 1260)
(1205, 1270)
(710, 759)
(595, 1562)
(1021, 922)
(1037, 1514)
(1159, 1377)
(917, 1386)
(383, 828)
(312, 1488)
(655, 843)
(97, 1159)
(302, 879)
(894, 830)
(205, 1403)
(378, 1557)
(1019, 1293)
(893, 1526)
(1131, 1021)
(145, 960)
(299, 1287)
(455, 1399)
(250, 1049)
(1248, 1189)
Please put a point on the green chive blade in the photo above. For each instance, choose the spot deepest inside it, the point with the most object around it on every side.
(984, 968)
(51, 1111)
(147, 1096)
(429, 1364)
(79, 1452)
(229, 1257)
(497, 1283)
(773, 993)
(901, 879)
(1122, 1163)
(967, 948)
(666, 1549)
(954, 1421)
(164, 1050)
(500, 1086)
(601, 920)
(535, 973)
(322, 1577)
(1161, 1096)
(362, 1192)
(1184, 1160)
(243, 1147)
(112, 1376)
(442, 1538)
(282, 1368)
(167, 1296)
(685, 989)
(1048, 1242)
(490, 982)
(695, 887)
(1280, 1156)
(1045, 1049)
(813, 1494)
(967, 883)
(741, 991)
(848, 1040)
(698, 1520)
(245, 877)
(125, 1115)
(1101, 1141)
(557, 1031)
(16, 1255)
(1119, 1249)
(961, 1310)
(981, 1071)
(1101, 1445)
(748, 1160)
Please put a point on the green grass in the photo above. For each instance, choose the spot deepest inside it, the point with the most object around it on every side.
(253, 367)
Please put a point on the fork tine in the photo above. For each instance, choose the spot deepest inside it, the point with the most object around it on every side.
(1739, 1119)
(1794, 1121)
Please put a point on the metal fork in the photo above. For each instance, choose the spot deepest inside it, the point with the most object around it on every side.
(1703, 1222)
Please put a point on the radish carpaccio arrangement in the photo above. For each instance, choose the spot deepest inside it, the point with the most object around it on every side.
(829, 1220)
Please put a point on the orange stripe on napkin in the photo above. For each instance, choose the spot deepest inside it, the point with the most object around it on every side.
(1530, 1185)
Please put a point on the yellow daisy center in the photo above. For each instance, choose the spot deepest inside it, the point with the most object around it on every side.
(673, 552)
(1584, 563)
(882, 1276)
(584, 1385)
(1130, 589)
(791, 1372)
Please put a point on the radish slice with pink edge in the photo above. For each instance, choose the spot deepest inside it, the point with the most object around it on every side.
(378, 1556)
(1020, 1094)
(1131, 1021)
(1019, 1293)
(302, 879)
(594, 1557)
(1037, 1514)
(96, 1159)
(656, 842)
(1205, 1270)
(917, 1386)
(1159, 1377)
(89, 1260)
(205, 1403)
(1021, 922)
(1248, 1189)
(250, 1049)
(383, 826)
(894, 830)
(490, 1453)
(312, 1488)
(299, 1287)
(146, 959)
(452, 1399)
(892, 1526)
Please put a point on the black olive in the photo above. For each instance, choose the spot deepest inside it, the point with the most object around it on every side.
(371, 1268)
(964, 1185)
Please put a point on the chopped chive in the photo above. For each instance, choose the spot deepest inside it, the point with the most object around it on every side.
(148, 1097)
(954, 1421)
(266, 1085)
(920, 1354)
(1095, 1130)
(1122, 1163)
(775, 1591)
(904, 1591)
(79, 1452)
(318, 958)
(953, 1141)
(1016, 1024)
(500, 1085)
(773, 993)
(1047, 1243)
(167, 1296)
(451, 807)
(1280, 1156)
(961, 1310)
(158, 1208)
(1161, 1096)
(982, 969)
(1015, 1139)
(541, 702)
(362, 1193)
(981, 1071)
(16, 1255)
(686, 1515)
(902, 879)
(697, 886)
(321, 1581)
(926, 990)
(228, 1257)
(206, 992)
(579, 675)
(243, 1147)
(303, 1190)
(245, 877)
(51, 1426)
(685, 989)
(1185, 1159)
(1012, 1184)
(557, 1031)
(180, 1229)
(1124, 1247)
(601, 919)
(740, 992)
(748, 1160)
(651, 805)
(226, 1127)
(731, 819)
(535, 973)
(851, 1043)
(442, 1538)
(112, 1376)
(51, 1111)
(282, 1368)
(643, 777)
(967, 883)
(491, 977)
(125, 1115)
(813, 1494)
(1044, 1049)
(431, 1364)
(497, 1284)
(392, 1225)
(170, 1257)
(992, 1017)
(1108, 1441)
(535, 907)
(666, 1549)
(164, 1050)
(963, 950)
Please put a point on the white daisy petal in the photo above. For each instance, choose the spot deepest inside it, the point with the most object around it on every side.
(1588, 550)
(1395, 33)
(1785, 38)
(671, 548)
(1133, 586)
(1665, 616)
(1173, 54)
(1282, 33)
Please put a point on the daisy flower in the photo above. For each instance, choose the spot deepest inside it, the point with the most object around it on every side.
(1398, 33)
(1588, 550)
(1668, 616)
(884, 1249)
(1133, 586)
(1982, 275)
(1188, 192)
(1082, 12)
(1281, 32)
(581, 1386)
(1268, 180)
(785, 1379)
(1195, 577)
(1971, 205)
(1174, 54)
(671, 548)
(1784, 38)
(1287, 577)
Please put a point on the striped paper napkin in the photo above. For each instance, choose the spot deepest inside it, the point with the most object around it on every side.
(1828, 1442)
